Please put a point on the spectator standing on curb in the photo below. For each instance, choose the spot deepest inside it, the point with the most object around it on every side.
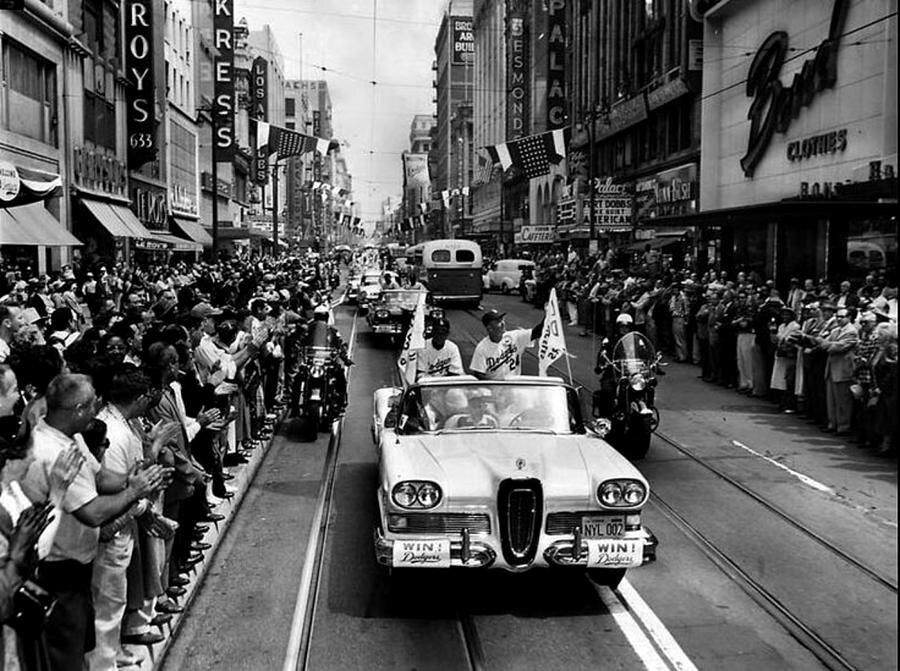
(840, 345)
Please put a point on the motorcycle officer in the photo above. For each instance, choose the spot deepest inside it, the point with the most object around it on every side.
(320, 333)
(605, 396)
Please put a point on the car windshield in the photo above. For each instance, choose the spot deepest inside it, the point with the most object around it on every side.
(406, 299)
(371, 280)
(486, 406)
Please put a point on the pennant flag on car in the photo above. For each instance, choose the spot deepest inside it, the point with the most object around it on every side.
(552, 344)
(532, 154)
(414, 342)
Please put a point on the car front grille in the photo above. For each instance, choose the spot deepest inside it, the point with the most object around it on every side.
(520, 505)
(440, 523)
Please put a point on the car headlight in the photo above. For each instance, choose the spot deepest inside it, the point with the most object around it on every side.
(416, 494)
(382, 314)
(638, 382)
(622, 493)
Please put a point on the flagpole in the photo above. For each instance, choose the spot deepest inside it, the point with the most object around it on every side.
(275, 208)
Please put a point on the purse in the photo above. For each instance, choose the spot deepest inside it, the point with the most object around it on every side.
(32, 606)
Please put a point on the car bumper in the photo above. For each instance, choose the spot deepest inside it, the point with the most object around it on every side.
(482, 552)
(387, 328)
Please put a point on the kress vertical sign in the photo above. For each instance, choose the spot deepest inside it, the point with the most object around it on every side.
(223, 80)
(141, 90)
(259, 109)
(556, 64)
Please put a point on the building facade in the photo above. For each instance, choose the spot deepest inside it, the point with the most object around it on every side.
(805, 186)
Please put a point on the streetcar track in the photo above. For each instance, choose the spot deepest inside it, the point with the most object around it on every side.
(299, 644)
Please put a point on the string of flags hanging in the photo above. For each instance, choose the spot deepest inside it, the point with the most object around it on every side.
(446, 194)
(531, 155)
(272, 139)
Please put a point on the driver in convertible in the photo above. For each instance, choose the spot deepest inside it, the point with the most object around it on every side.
(477, 412)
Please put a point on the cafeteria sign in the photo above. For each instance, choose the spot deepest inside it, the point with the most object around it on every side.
(536, 235)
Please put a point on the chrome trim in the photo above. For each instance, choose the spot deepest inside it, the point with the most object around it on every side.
(563, 553)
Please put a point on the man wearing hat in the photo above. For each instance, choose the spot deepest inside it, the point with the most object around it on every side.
(814, 358)
(441, 357)
(499, 354)
(840, 346)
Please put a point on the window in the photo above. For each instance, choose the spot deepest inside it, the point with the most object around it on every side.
(465, 256)
(92, 17)
(29, 85)
(290, 125)
(99, 121)
(441, 256)
(289, 107)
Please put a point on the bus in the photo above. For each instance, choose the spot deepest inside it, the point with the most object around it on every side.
(451, 269)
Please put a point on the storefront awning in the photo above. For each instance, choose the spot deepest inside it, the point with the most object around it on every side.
(178, 244)
(33, 225)
(193, 230)
(118, 220)
(22, 186)
(655, 243)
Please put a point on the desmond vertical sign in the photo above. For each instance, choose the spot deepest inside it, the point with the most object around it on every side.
(516, 71)
(223, 79)
(139, 69)
(259, 109)
(556, 64)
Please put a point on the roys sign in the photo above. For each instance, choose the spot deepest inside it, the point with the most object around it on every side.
(775, 105)
(223, 79)
(463, 40)
(139, 70)
(556, 65)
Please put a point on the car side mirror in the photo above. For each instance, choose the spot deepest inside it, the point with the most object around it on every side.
(600, 427)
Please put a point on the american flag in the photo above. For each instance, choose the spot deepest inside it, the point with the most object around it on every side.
(532, 154)
(286, 142)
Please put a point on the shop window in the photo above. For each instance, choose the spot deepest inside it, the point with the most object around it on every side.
(871, 248)
(29, 84)
(99, 121)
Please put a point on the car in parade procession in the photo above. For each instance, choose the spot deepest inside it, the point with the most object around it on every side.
(503, 475)
(369, 288)
(392, 314)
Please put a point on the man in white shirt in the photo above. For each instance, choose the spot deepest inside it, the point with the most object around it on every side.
(499, 354)
(440, 357)
(12, 318)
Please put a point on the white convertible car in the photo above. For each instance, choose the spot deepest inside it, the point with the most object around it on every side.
(503, 475)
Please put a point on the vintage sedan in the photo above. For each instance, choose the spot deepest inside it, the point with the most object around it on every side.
(392, 314)
(369, 288)
(351, 294)
(503, 475)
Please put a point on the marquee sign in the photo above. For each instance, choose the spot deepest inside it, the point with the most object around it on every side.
(556, 65)
(775, 105)
(139, 97)
(223, 80)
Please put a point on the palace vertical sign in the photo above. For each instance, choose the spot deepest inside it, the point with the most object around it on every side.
(516, 71)
(223, 80)
(259, 109)
(141, 90)
(556, 64)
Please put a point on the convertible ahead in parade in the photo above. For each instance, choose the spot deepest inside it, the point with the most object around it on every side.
(503, 474)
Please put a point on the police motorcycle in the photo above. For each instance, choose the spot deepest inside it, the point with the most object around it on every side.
(318, 387)
(626, 399)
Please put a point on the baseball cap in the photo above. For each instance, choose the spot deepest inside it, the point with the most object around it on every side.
(204, 310)
(492, 316)
(441, 325)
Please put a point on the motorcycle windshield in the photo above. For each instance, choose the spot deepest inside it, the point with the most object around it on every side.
(634, 352)
(318, 334)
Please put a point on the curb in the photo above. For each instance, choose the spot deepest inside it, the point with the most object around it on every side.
(243, 477)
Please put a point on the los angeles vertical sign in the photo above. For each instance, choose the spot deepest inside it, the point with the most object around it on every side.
(223, 117)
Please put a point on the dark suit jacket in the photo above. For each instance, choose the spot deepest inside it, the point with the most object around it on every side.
(187, 474)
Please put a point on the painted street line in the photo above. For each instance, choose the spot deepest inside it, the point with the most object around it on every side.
(805, 479)
(654, 626)
(632, 630)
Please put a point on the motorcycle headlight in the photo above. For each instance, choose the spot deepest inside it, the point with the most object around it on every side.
(622, 493)
(317, 370)
(638, 382)
(416, 494)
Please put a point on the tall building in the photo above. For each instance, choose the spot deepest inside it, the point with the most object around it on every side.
(319, 100)
(454, 81)
(298, 176)
(635, 112)
(416, 178)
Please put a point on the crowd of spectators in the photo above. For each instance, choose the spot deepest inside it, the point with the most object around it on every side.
(821, 348)
(126, 395)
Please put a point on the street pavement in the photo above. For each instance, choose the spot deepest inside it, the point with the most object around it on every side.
(828, 558)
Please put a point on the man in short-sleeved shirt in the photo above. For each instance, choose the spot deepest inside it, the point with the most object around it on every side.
(499, 354)
(440, 356)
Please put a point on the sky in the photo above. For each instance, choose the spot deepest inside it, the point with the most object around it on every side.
(372, 121)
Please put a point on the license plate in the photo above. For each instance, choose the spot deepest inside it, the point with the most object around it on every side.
(422, 553)
(615, 553)
(607, 526)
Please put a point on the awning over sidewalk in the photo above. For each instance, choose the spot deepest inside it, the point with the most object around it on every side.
(193, 230)
(655, 243)
(178, 244)
(33, 225)
(118, 220)
(23, 186)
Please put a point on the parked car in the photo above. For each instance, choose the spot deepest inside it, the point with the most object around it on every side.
(505, 274)
(503, 475)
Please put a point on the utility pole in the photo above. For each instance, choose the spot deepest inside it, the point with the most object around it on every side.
(274, 208)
